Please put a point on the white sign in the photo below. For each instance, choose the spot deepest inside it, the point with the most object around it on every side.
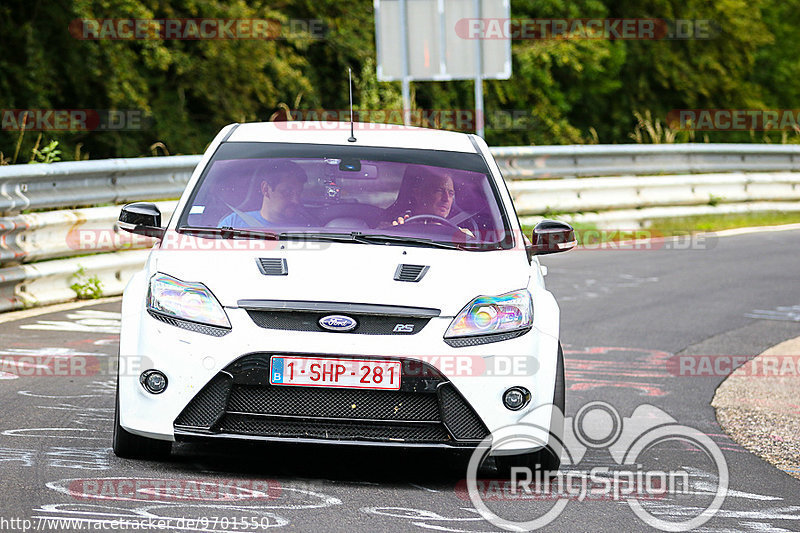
(436, 43)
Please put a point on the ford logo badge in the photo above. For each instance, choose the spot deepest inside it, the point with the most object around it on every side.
(337, 323)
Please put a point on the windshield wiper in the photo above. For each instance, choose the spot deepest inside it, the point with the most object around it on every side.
(333, 237)
(227, 232)
(400, 239)
(369, 238)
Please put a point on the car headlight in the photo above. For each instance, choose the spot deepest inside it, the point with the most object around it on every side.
(185, 300)
(493, 314)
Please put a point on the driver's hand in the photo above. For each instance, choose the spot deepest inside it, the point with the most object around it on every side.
(400, 220)
(467, 232)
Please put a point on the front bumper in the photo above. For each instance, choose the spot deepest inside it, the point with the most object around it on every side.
(239, 402)
(471, 378)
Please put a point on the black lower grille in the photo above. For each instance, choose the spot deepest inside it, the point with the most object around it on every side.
(334, 403)
(459, 417)
(322, 429)
(241, 401)
(209, 405)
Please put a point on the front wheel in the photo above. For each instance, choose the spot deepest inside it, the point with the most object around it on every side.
(130, 446)
(548, 459)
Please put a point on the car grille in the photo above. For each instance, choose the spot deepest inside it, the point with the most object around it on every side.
(309, 321)
(336, 403)
(240, 401)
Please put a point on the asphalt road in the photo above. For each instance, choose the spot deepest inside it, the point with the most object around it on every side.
(627, 318)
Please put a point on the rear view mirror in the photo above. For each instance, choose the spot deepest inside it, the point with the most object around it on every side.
(550, 237)
(363, 172)
(142, 218)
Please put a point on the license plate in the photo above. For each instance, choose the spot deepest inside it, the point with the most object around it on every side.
(331, 372)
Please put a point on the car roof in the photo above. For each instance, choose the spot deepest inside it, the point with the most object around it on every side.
(367, 134)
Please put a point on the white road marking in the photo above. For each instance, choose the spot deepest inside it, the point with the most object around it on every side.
(79, 458)
(45, 352)
(11, 455)
(57, 397)
(63, 486)
(426, 489)
(13, 316)
(85, 321)
(420, 517)
(53, 433)
(784, 313)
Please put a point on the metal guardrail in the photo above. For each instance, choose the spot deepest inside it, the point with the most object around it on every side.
(115, 181)
(87, 183)
(529, 162)
(48, 282)
(37, 263)
(607, 194)
(66, 233)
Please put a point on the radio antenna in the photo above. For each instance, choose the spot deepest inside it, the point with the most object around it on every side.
(352, 138)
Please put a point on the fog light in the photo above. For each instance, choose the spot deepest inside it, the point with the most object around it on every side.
(516, 398)
(153, 381)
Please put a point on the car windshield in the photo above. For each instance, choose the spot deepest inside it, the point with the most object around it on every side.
(363, 194)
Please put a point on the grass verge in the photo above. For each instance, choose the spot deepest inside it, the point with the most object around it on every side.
(668, 227)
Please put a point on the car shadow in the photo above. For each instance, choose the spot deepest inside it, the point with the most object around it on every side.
(343, 463)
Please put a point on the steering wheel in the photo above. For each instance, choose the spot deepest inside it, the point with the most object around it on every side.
(444, 221)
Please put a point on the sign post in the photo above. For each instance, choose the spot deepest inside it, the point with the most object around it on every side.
(441, 40)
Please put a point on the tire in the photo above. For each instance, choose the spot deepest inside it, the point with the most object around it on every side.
(549, 457)
(130, 446)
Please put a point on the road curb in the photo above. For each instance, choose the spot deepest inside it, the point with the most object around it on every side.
(761, 410)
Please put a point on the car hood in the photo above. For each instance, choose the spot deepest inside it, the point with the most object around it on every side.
(348, 272)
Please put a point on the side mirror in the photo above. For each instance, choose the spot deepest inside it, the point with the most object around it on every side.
(550, 237)
(142, 218)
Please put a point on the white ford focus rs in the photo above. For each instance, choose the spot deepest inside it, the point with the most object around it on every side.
(314, 287)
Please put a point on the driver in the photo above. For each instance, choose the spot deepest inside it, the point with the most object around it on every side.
(433, 195)
(280, 188)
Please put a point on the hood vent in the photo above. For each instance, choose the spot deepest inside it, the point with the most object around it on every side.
(273, 266)
(410, 273)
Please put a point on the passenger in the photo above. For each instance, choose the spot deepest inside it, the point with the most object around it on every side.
(281, 185)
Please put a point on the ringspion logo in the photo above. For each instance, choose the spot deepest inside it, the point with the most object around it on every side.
(639, 474)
